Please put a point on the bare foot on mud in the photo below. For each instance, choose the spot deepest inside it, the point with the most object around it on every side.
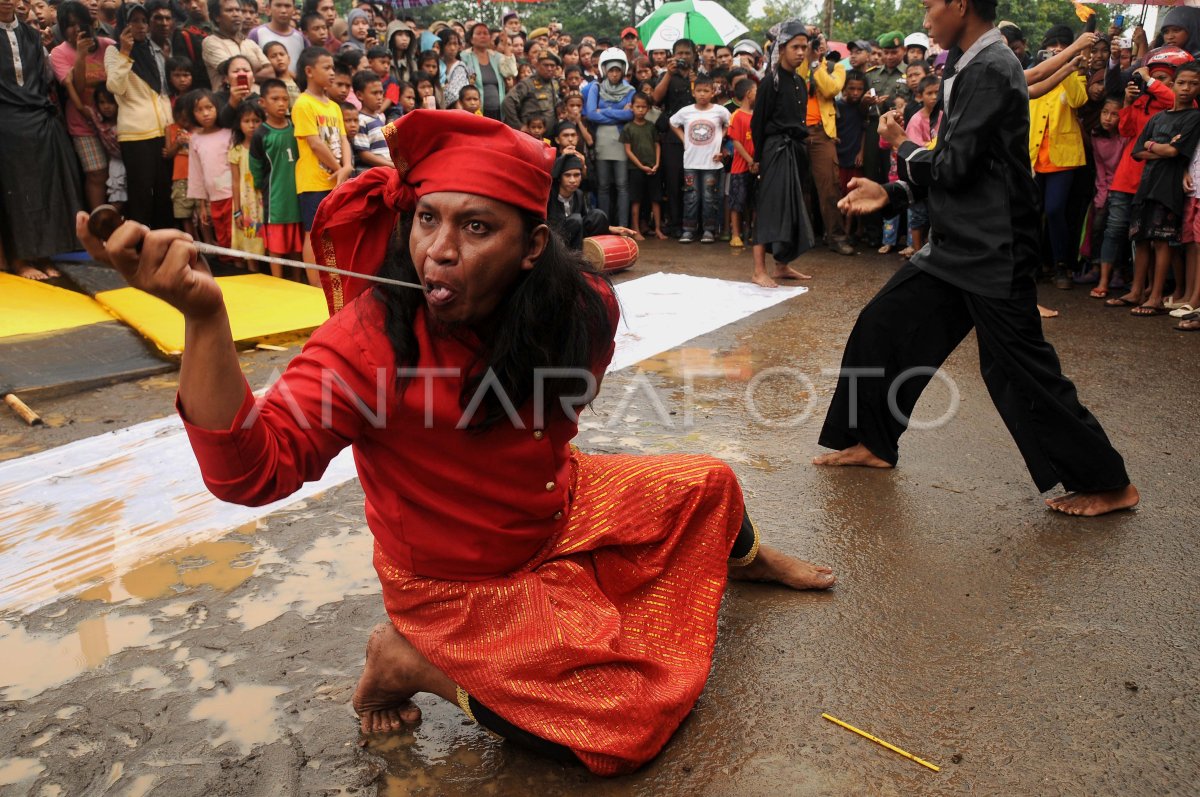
(856, 455)
(763, 281)
(774, 565)
(1093, 504)
(394, 672)
(783, 272)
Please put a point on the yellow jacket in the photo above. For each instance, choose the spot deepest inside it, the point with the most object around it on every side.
(143, 113)
(829, 85)
(1053, 114)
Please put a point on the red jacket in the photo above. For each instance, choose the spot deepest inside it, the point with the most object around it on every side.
(442, 502)
(1133, 119)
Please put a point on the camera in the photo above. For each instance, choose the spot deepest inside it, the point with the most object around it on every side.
(1139, 81)
(683, 64)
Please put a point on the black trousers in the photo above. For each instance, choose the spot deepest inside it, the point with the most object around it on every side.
(672, 178)
(915, 322)
(576, 227)
(743, 546)
(148, 182)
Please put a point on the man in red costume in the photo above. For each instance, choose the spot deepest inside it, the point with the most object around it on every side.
(564, 600)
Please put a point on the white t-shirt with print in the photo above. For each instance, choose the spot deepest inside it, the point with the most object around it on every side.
(703, 132)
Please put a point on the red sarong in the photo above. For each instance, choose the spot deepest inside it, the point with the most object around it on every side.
(604, 641)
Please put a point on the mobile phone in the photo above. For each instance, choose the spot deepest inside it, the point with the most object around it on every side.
(243, 80)
(1118, 20)
(871, 93)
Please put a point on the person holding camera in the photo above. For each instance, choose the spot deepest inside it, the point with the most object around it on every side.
(78, 65)
(825, 79)
(673, 93)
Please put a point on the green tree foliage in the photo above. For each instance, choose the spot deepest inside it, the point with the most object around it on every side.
(869, 19)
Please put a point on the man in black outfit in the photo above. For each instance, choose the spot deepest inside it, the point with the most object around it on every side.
(977, 271)
(674, 91)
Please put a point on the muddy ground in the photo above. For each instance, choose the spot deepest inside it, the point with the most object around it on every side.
(1021, 651)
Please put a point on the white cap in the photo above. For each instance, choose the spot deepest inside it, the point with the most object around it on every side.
(916, 40)
(613, 54)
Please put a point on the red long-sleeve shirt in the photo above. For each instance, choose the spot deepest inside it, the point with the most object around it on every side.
(443, 502)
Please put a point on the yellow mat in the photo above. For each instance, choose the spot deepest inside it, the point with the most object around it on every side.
(258, 305)
(29, 306)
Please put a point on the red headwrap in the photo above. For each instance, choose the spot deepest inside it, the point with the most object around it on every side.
(432, 151)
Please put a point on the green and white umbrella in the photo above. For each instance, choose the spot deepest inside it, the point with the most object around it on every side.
(702, 21)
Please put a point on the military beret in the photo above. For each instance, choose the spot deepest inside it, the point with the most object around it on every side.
(893, 38)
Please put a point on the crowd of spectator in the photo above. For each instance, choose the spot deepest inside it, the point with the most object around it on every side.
(233, 119)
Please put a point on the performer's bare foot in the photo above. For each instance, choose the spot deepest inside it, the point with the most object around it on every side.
(783, 272)
(1098, 503)
(660, 235)
(46, 265)
(763, 281)
(773, 565)
(1046, 312)
(394, 672)
(26, 271)
(856, 455)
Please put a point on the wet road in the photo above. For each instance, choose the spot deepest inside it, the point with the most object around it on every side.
(1021, 651)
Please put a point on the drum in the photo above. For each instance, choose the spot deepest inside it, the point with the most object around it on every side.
(610, 253)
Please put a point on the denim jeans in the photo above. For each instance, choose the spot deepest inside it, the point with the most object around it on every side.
(706, 182)
(1056, 190)
(616, 173)
(1116, 229)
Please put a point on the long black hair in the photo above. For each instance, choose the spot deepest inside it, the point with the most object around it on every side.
(553, 317)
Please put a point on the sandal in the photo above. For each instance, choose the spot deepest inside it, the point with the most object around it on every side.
(1098, 293)
(1121, 301)
(1147, 310)
(1182, 310)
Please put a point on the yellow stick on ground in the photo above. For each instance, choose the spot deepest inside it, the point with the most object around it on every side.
(22, 409)
(877, 740)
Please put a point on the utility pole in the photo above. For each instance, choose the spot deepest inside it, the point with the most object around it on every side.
(827, 20)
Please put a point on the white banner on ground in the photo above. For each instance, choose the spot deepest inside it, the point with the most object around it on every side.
(87, 512)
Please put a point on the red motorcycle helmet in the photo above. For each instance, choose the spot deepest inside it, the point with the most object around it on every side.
(1167, 57)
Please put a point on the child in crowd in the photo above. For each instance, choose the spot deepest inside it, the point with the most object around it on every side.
(325, 161)
(179, 76)
(380, 60)
(891, 225)
(341, 85)
(701, 127)
(1107, 146)
(922, 130)
(183, 206)
(536, 127)
(643, 73)
(273, 158)
(427, 92)
(408, 101)
(209, 179)
(1166, 144)
(914, 73)
(644, 152)
(572, 79)
(247, 204)
(430, 63)
(350, 122)
(1189, 302)
(1142, 102)
(106, 128)
(281, 62)
(851, 131)
(744, 172)
(369, 145)
(566, 138)
(315, 30)
(470, 101)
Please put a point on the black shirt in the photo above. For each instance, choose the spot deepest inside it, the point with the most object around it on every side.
(1162, 179)
(983, 206)
(779, 110)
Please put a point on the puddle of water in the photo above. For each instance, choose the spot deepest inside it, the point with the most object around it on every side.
(247, 715)
(33, 663)
(693, 362)
(19, 770)
(221, 564)
(336, 567)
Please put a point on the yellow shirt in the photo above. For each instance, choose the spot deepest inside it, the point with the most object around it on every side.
(313, 117)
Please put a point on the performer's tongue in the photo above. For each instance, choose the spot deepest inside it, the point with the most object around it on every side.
(439, 295)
